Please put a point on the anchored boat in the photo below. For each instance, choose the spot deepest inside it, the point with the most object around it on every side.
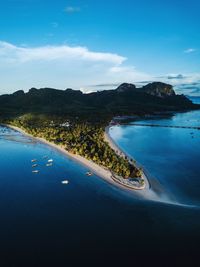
(36, 171)
(89, 173)
(65, 182)
(34, 165)
(49, 164)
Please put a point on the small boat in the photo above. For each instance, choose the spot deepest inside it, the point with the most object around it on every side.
(89, 173)
(33, 160)
(45, 157)
(34, 165)
(49, 164)
(50, 160)
(36, 171)
(65, 182)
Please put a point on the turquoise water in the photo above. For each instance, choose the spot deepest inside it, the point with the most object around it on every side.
(89, 221)
(171, 155)
(195, 100)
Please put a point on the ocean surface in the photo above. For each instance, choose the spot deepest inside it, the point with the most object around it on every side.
(46, 223)
(170, 155)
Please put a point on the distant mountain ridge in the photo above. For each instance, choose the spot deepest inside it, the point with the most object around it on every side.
(127, 99)
(158, 89)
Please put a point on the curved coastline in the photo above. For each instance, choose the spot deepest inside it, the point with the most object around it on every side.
(118, 150)
(153, 190)
(96, 169)
(148, 193)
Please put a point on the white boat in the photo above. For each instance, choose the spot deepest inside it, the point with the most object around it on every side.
(49, 164)
(33, 160)
(34, 165)
(89, 173)
(50, 160)
(36, 171)
(65, 182)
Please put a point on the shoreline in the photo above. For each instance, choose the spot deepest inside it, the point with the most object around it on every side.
(118, 150)
(103, 173)
(148, 193)
(153, 191)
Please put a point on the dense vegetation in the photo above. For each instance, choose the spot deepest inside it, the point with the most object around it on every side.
(98, 106)
(80, 138)
(42, 113)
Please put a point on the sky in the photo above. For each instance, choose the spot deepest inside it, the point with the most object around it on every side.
(95, 45)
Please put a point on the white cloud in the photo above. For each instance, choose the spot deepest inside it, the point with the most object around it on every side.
(72, 9)
(185, 83)
(190, 50)
(49, 53)
(61, 66)
(128, 74)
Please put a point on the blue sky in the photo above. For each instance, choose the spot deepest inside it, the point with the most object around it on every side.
(81, 44)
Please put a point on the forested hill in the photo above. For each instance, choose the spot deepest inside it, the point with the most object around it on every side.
(125, 100)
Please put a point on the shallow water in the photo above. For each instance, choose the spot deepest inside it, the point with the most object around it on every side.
(46, 223)
(171, 155)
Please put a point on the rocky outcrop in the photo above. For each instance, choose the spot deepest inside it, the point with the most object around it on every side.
(125, 100)
(159, 89)
(126, 87)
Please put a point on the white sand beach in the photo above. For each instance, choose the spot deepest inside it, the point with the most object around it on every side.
(93, 167)
(148, 193)
(152, 191)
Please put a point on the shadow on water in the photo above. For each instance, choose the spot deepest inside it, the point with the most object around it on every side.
(87, 222)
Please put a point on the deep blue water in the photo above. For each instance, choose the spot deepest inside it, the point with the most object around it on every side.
(46, 223)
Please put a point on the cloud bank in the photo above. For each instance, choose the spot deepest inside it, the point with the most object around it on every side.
(190, 50)
(188, 83)
(61, 66)
(50, 53)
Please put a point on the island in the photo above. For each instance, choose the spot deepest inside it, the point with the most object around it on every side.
(78, 124)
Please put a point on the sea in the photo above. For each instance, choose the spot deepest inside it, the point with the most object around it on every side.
(89, 222)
